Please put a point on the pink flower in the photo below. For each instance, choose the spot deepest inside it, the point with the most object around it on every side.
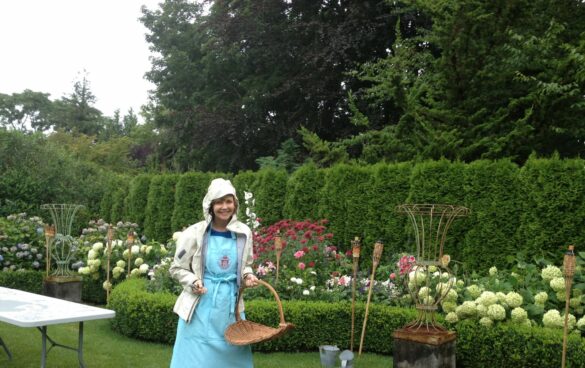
(299, 254)
(301, 266)
(392, 276)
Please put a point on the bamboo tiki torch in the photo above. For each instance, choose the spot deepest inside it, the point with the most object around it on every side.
(569, 272)
(49, 234)
(130, 242)
(378, 247)
(278, 249)
(355, 251)
(109, 250)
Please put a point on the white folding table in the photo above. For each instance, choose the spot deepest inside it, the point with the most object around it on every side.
(25, 309)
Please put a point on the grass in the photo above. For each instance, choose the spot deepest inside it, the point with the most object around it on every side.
(106, 349)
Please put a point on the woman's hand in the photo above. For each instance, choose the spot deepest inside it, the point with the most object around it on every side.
(198, 288)
(250, 280)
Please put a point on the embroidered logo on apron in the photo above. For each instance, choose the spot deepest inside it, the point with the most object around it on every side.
(224, 262)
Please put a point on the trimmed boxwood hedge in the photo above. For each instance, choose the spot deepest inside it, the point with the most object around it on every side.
(31, 281)
(149, 316)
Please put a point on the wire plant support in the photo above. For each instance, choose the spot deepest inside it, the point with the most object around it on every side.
(61, 246)
(431, 223)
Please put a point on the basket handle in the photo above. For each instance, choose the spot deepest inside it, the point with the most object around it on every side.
(269, 287)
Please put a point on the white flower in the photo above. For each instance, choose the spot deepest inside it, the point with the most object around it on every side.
(451, 317)
(83, 270)
(117, 243)
(550, 272)
(557, 284)
(519, 315)
(91, 254)
(138, 262)
(312, 288)
(486, 322)
(248, 195)
(148, 249)
(176, 235)
(135, 249)
(481, 310)
(135, 272)
(121, 264)
(474, 291)
(552, 319)
(107, 285)
(306, 292)
(493, 271)
(144, 268)
(487, 298)
(496, 312)
(449, 306)
(466, 310)
(513, 299)
(541, 298)
(581, 323)
(97, 246)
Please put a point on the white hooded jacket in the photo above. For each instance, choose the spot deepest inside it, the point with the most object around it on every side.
(188, 264)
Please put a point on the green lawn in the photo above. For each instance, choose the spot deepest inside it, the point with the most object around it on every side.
(106, 349)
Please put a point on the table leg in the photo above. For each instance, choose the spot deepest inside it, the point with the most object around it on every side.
(80, 346)
(6, 349)
(44, 348)
(45, 352)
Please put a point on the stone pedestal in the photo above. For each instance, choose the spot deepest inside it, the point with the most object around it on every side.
(63, 287)
(424, 350)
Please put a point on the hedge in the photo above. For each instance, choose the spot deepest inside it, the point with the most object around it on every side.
(31, 281)
(149, 316)
(137, 198)
(191, 188)
(538, 209)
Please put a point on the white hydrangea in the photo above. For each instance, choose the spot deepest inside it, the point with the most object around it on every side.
(143, 248)
(417, 277)
(552, 319)
(514, 300)
(501, 297)
(83, 270)
(135, 272)
(452, 317)
(296, 280)
(581, 323)
(92, 254)
(143, 268)
(466, 310)
(306, 292)
(481, 310)
(148, 249)
(121, 264)
(557, 284)
(135, 249)
(107, 285)
(487, 298)
(424, 292)
(117, 271)
(461, 283)
(486, 322)
(138, 262)
(125, 254)
(496, 312)
(519, 315)
(448, 306)
(474, 291)
(97, 246)
(493, 271)
(541, 298)
(550, 272)
(575, 302)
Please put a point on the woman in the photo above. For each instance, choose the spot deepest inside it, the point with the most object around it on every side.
(213, 257)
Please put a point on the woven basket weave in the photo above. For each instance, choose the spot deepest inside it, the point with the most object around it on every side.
(243, 332)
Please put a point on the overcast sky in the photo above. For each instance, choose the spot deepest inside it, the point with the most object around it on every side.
(47, 44)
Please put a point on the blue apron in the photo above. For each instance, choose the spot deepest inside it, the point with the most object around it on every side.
(201, 343)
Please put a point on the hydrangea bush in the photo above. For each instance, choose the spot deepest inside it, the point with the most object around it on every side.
(143, 255)
(22, 243)
(530, 294)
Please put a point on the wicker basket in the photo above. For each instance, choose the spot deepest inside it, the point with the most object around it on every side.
(243, 332)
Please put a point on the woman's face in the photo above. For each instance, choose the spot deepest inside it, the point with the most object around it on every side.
(224, 208)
